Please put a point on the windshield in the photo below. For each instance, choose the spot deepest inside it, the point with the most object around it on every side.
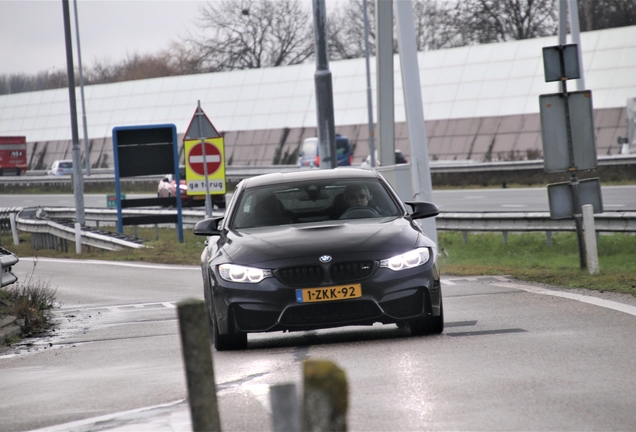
(313, 201)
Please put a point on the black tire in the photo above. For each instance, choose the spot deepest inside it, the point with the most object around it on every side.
(229, 342)
(428, 325)
(225, 342)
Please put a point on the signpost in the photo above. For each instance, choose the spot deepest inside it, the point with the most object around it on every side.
(567, 132)
(142, 151)
(205, 158)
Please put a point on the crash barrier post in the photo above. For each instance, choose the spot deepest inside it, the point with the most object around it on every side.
(14, 229)
(590, 239)
(325, 396)
(285, 408)
(197, 359)
(78, 238)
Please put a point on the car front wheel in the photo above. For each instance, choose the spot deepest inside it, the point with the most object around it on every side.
(222, 342)
(228, 342)
(428, 325)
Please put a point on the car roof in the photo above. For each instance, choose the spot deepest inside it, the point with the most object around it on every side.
(309, 175)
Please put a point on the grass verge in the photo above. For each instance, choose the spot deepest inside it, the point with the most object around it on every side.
(528, 257)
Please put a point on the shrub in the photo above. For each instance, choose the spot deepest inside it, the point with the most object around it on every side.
(30, 301)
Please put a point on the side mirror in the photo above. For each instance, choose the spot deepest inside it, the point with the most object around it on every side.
(208, 227)
(423, 209)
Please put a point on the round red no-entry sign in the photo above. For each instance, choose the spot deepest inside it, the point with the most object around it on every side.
(212, 158)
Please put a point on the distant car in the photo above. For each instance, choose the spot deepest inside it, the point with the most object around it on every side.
(61, 168)
(167, 188)
(316, 249)
(399, 159)
(309, 155)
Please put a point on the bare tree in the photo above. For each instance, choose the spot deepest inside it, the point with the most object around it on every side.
(45, 80)
(345, 30)
(436, 27)
(246, 34)
(135, 66)
(601, 14)
(437, 24)
(485, 21)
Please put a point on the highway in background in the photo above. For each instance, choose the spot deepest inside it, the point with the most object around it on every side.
(615, 198)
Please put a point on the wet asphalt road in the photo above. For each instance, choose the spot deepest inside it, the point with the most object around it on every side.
(509, 358)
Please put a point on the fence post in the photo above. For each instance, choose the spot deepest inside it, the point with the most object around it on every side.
(590, 239)
(325, 398)
(285, 408)
(197, 359)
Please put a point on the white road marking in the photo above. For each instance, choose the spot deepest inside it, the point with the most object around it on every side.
(631, 310)
(113, 263)
(140, 413)
(119, 308)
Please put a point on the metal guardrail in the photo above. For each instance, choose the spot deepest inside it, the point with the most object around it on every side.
(234, 173)
(530, 221)
(45, 222)
(36, 220)
(7, 260)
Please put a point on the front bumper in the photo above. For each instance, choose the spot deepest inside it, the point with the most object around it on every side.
(387, 297)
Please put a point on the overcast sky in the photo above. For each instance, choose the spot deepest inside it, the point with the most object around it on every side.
(32, 31)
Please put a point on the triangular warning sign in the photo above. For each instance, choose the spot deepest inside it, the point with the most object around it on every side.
(202, 129)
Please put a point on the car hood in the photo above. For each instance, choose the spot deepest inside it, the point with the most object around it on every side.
(339, 239)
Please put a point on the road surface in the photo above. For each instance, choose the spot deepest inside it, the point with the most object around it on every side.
(512, 357)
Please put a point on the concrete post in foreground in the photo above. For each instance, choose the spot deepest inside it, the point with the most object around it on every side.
(197, 359)
(326, 397)
(285, 408)
(590, 239)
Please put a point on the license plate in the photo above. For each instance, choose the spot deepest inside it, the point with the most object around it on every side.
(340, 292)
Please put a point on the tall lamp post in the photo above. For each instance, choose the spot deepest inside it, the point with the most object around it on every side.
(78, 186)
(87, 154)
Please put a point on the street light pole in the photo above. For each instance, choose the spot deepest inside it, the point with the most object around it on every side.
(324, 90)
(87, 154)
(78, 186)
(369, 98)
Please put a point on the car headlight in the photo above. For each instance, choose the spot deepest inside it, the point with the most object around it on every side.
(407, 260)
(237, 273)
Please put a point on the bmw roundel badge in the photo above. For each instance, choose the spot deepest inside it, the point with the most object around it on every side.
(325, 259)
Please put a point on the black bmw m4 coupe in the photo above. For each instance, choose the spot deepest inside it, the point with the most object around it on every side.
(318, 249)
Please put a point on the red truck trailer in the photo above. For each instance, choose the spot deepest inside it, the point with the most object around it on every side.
(13, 155)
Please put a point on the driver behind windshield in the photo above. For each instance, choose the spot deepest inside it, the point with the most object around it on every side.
(357, 195)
